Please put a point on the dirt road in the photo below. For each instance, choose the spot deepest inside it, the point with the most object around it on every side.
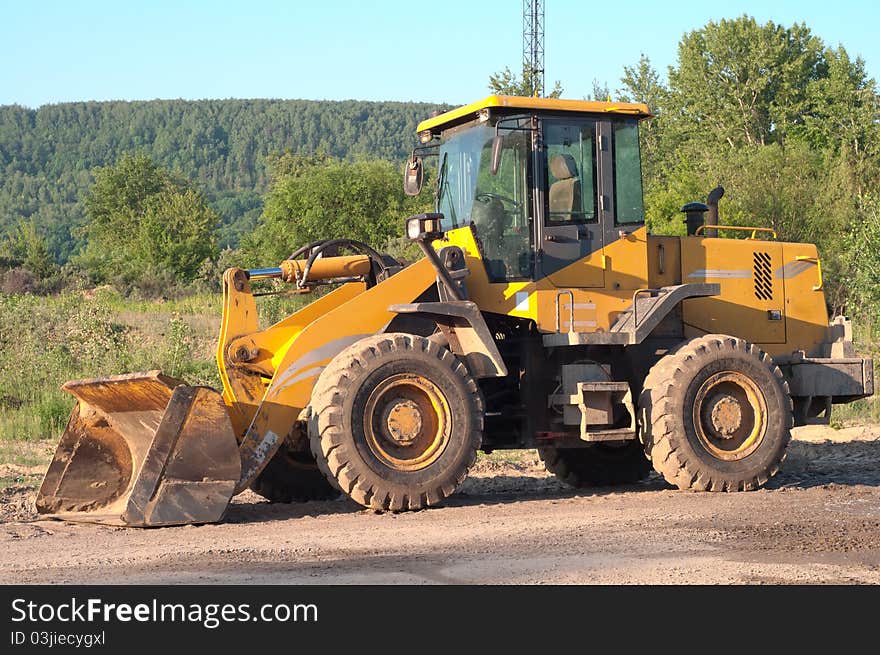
(817, 522)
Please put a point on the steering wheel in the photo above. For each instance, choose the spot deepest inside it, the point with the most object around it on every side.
(486, 196)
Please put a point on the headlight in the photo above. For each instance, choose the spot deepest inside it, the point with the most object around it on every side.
(424, 226)
(413, 228)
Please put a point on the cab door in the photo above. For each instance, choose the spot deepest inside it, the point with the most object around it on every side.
(571, 235)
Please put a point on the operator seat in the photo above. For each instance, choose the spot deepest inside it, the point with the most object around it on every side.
(565, 193)
(491, 220)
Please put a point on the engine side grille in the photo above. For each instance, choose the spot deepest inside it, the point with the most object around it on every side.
(763, 277)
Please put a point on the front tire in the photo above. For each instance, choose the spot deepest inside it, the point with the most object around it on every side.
(716, 415)
(397, 421)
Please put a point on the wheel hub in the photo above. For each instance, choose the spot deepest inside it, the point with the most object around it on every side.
(730, 415)
(725, 415)
(403, 420)
(406, 422)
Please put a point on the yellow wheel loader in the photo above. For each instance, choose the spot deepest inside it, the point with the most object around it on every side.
(542, 315)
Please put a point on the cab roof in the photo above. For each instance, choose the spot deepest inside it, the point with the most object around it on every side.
(468, 112)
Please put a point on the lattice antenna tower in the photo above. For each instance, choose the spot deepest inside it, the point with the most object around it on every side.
(533, 44)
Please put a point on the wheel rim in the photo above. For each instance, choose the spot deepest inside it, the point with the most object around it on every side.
(730, 416)
(406, 422)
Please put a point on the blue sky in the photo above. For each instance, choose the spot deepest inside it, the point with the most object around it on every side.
(53, 51)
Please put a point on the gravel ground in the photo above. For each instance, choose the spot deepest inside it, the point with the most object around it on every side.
(818, 521)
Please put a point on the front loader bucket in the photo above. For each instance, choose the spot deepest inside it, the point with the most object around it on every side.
(142, 449)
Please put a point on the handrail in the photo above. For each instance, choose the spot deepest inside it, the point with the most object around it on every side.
(635, 315)
(815, 260)
(736, 228)
(568, 293)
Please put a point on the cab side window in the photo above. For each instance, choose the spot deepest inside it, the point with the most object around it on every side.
(571, 183)
(627, 174)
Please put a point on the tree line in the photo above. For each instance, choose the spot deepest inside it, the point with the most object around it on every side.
(224, 147)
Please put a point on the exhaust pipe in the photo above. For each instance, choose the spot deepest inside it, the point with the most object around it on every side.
(712, 215)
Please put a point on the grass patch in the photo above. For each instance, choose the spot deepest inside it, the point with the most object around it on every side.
(858, 412)
(27, 453)
(23, 463)
(45, 341)
(508, 456)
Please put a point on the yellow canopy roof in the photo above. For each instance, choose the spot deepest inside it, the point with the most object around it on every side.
(541, 104)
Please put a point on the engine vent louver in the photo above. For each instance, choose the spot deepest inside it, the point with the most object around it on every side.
(763, 276)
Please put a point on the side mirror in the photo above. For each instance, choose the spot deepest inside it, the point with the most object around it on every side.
(497, 144)
(413, 176)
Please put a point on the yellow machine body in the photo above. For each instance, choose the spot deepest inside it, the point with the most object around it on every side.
(791, 286)
(588, 294)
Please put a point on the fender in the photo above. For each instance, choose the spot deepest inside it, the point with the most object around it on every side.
(462, 323)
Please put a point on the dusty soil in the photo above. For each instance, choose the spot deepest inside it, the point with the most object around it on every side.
(818, 521)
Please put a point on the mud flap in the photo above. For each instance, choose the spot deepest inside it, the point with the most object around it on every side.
(142, 449)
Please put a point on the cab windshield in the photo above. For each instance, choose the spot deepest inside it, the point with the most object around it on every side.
(497, 205)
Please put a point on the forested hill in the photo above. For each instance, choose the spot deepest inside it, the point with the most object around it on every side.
(46, 154)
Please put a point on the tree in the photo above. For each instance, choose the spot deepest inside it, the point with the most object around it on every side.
(843, 116)
(741, 83)
(315, 198)
(863, 263)
(144, 221)
(26, 265)
(772, 186)
(507, 83)
(600, 92)
(27, 248)
(641, 83)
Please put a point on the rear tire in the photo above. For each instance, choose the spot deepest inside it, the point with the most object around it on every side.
(716, 415)
(293, 477)
(397, 421)
(597, 465)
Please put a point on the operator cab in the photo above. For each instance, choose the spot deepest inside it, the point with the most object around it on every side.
(544, 183)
